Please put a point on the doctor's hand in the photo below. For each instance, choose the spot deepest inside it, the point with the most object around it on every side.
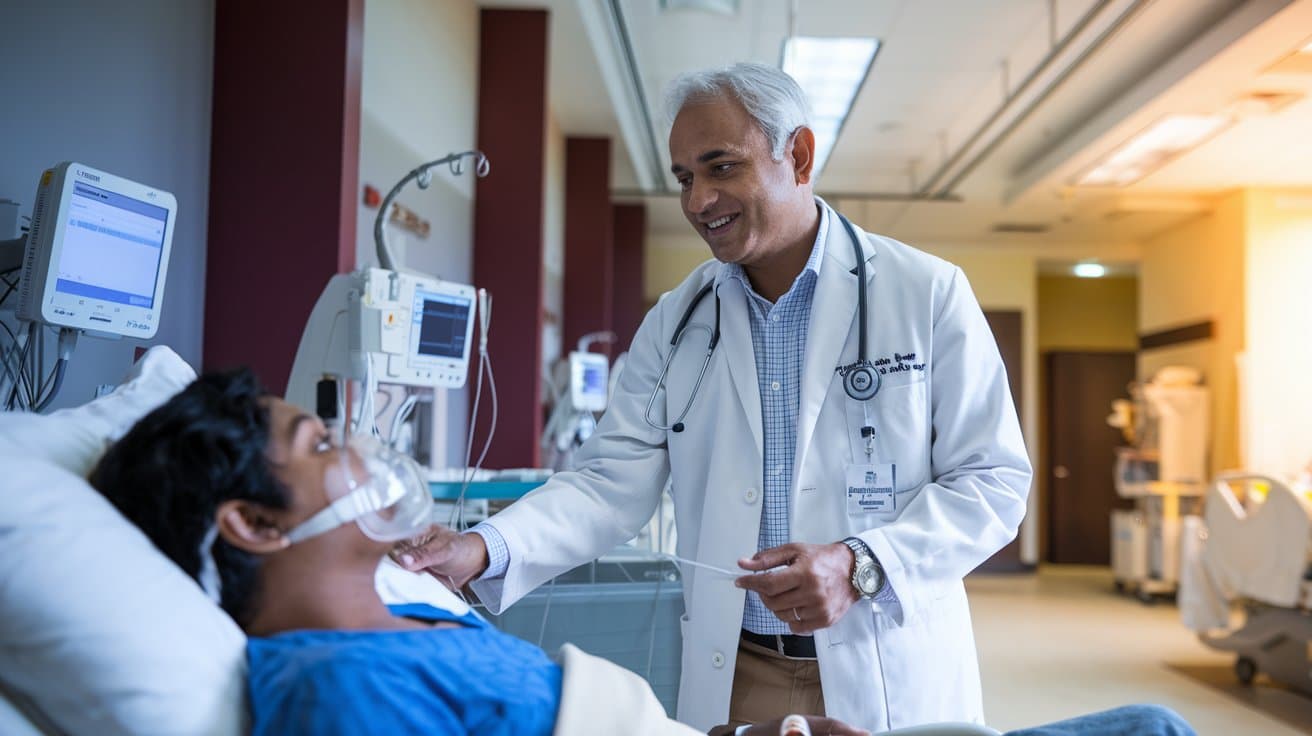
(811, 590)
(451, 557)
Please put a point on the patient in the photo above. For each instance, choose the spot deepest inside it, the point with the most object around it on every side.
(221, 479)
(233, 484)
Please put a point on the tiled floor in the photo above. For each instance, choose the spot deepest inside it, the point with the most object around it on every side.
(1061, 642)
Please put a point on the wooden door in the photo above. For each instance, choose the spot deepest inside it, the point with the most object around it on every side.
(1081, 453)
(1007, 332)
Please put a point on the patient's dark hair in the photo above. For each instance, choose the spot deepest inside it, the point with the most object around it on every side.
(171, 471)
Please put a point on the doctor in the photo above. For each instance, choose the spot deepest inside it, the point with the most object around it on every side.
(856, 481)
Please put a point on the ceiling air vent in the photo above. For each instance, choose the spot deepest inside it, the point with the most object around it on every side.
(1028, 228)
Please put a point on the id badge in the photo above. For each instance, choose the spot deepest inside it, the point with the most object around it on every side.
(871, 489)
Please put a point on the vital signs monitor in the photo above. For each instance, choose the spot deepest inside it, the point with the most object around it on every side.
(97, 253)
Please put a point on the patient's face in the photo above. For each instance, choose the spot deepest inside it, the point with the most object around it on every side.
(303, 458)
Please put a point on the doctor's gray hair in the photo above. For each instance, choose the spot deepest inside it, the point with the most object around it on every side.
(772, 98)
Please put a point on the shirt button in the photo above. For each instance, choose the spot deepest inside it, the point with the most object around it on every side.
(717, 660)
(778, 469)
(775, 318)
(775, 385)
(750, 495)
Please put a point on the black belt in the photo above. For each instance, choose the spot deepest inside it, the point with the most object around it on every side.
(789, 645)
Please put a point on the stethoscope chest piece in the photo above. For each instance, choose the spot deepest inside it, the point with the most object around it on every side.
(861, 381)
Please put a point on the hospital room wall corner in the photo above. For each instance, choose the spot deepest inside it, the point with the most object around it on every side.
(283, 174)
(509, 218)
(130, 95)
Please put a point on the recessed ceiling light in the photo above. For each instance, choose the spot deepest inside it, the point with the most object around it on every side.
(1090, 270)
(830, 72)
(1154, 147)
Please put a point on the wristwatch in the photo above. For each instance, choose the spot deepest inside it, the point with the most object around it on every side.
(867, 574)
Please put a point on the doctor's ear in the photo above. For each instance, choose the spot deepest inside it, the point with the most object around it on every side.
(250, 527)
(802, 154)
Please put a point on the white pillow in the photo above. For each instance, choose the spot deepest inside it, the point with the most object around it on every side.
(99, 629)
(76, 438)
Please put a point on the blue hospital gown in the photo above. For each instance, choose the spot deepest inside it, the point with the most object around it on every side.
(474, 680)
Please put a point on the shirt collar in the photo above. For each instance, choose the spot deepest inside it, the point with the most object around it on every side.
(813, 262)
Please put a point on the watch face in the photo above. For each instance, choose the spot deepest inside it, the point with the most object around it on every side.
(867, 579)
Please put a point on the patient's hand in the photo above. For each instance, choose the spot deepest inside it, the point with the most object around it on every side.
(451, 557)
(820, 726)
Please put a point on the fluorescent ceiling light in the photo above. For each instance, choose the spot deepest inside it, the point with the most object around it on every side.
(1090, 270)
(830, 71)
(1168, 138)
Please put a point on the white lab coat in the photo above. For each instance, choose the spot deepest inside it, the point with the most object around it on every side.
(949, 425)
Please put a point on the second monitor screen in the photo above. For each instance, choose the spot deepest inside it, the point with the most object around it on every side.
(443, 321)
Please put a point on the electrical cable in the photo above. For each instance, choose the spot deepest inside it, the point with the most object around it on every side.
(366, 410)
(378, 412)
(546, 611)
(484, 367)
(651, 635)
(12, 286)
(22, 389)
(492, 429)
(38, 367)
(50, 387)
(60, 365)
(458, 512)
(402, 414)
(6, 356)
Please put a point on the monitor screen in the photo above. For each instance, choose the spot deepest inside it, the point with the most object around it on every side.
(442, 324)
(112, 247)
(594, 379)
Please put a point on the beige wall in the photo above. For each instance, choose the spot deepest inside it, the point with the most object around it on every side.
(418, 101)
(1194, 273)
(1276, 382)
(668, 259)
(1088, 314)
(411, 48)
(1006, 282)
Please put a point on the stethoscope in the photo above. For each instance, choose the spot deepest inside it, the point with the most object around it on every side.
(860, 379)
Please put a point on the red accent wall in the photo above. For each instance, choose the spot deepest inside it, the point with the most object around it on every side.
(629, 292)
(284, 158)
(589, 239)
(508, 223)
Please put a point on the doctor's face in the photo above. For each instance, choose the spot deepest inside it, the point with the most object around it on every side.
(744, 204)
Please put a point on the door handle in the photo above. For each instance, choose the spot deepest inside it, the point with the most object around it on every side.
(1061, 472)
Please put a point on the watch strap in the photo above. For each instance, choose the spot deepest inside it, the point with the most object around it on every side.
(861, 551)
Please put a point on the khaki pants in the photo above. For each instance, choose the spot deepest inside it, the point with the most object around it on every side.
(768, 685)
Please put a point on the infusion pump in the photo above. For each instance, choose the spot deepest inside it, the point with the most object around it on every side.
(394, 327)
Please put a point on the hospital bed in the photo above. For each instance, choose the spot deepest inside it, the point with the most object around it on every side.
(1255, 548)
(101, 634)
